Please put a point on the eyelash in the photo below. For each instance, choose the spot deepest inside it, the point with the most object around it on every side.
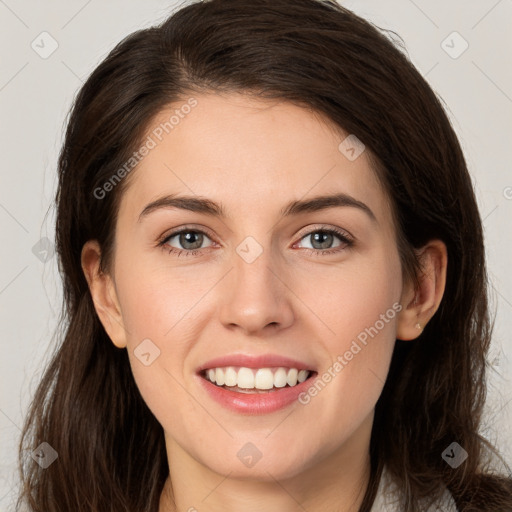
(348, 242)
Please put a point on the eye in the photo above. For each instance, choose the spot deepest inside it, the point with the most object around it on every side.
(321, 240)
(188, 241)
(191, 241)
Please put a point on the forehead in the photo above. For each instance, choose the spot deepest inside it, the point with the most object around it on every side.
(248, 153)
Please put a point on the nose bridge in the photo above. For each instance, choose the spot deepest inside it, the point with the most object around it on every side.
(253, 263)
(256, 297)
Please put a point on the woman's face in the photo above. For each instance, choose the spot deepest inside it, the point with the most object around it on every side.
(266, 284)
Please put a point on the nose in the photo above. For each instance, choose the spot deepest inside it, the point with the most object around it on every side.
(255, 296)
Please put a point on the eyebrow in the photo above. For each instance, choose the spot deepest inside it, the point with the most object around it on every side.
(208, 207)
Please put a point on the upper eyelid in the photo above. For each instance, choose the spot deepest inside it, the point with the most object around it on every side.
(325, 227)
(185, 229)
(300, 235)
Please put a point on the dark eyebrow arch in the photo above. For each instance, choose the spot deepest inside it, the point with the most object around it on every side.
(208, 207)
(191, 203)
(326, 201)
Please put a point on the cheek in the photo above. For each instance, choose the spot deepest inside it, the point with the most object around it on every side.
(346, 300)
(358, 314)
(155, 299)
(158, 317)
(161, 309)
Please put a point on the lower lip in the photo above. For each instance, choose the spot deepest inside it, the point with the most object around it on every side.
(255, 403)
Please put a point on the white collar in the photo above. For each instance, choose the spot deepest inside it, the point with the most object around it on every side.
(388, 496)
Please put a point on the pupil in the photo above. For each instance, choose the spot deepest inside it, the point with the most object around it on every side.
(323, 244)
(185, 238)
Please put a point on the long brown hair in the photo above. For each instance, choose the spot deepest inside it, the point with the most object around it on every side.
(317, 54)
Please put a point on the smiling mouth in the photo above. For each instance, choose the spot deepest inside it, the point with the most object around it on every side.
(241, 379)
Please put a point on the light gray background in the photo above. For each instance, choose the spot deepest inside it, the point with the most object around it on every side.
(36, 93)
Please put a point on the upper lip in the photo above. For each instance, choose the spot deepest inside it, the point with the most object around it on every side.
(252, 361)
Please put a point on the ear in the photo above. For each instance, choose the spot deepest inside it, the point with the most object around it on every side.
(420, 304)
(103, 293)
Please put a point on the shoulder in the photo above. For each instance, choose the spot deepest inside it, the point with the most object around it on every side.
(388, 498)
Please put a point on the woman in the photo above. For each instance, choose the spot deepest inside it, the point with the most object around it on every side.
(321, 343)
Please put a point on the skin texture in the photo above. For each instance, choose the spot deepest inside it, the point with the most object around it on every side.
(254, 157)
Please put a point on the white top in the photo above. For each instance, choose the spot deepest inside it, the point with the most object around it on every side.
(388, 498)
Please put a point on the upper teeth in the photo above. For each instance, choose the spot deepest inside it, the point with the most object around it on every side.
(259, 378)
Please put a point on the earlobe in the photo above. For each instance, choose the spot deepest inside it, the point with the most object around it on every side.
(103, 294)
(420, 304)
